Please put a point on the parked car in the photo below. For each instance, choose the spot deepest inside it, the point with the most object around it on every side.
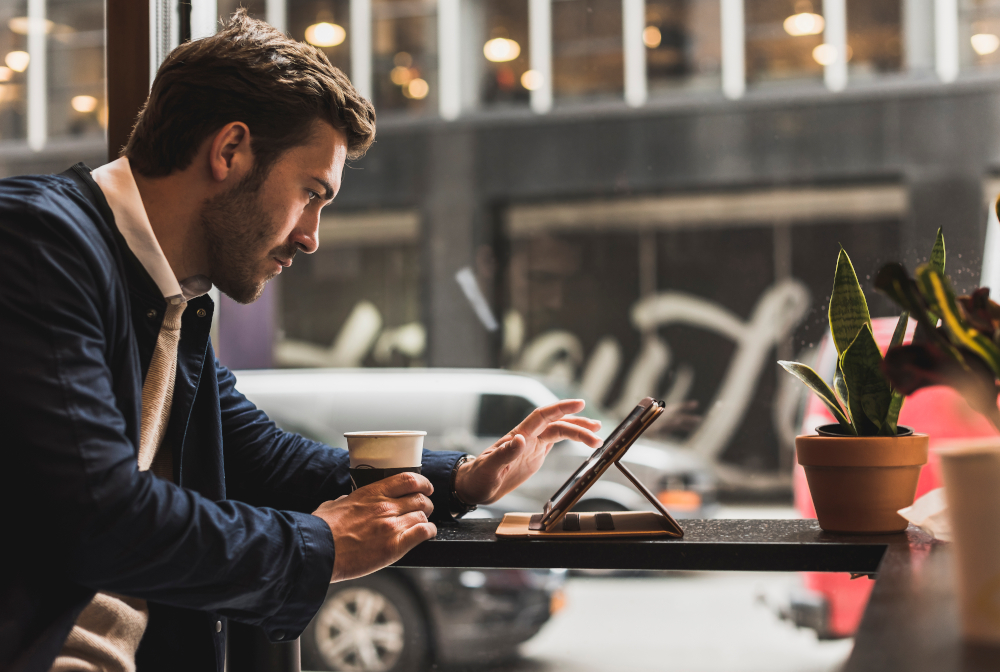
(468, 410)
(832, 604)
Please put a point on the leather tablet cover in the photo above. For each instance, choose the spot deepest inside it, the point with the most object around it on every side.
(575, 526)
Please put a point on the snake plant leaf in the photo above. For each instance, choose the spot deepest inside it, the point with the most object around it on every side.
(900, 331)
(893, 281)
(980, 313)
(848, 308)
(892, 417)
(919, 365)
(840, 388)
(939, 296)
(812, 379)
(868, 390)
(938, 253)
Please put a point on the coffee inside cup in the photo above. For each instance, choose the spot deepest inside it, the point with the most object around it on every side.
(378, 455)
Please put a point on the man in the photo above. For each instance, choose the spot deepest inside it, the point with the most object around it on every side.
(146, 501)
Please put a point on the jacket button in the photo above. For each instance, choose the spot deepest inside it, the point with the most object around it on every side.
(201, 312)
(218, 626)
(151, 313)
(279, 635)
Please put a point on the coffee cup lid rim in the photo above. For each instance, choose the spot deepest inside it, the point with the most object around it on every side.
(385, 433)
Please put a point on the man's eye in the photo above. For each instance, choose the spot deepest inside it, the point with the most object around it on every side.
(312, 195)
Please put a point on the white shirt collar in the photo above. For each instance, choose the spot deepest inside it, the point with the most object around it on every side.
(116, 181)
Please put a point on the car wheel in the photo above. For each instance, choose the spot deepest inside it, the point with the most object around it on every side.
(371, 624)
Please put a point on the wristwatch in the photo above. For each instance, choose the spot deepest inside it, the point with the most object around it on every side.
(458, 508)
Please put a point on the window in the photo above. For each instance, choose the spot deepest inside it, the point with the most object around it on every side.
(500, 413)
(13, 72)
(979, 37)
(587, 59)
(325, 25)
(683, 46)
(505, 53)
(874, 38)
(76, 105)
(783, 41)
(404, 61)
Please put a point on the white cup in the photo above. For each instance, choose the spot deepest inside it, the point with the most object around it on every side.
(972, 486)
(376, 455)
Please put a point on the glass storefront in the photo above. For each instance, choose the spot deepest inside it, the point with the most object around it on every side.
(683, 44)
(784, 42)
(404, 56)
(587, 58)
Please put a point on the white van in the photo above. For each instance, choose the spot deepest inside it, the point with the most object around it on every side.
(468, 410)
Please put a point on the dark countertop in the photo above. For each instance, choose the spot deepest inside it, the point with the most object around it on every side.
(721, 545)
(910, 624)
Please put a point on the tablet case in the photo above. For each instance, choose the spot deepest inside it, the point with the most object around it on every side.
(608, 524)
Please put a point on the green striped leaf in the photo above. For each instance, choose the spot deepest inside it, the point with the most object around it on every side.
(868, 390)
(938, 253)
(848, 308)
(812, 379)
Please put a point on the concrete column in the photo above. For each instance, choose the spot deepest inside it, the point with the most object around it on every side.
(918, 35)
(734, 76)
(453, 218)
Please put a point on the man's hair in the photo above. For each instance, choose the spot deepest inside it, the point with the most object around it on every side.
(249, 72)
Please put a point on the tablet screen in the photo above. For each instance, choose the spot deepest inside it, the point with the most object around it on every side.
(596, 458)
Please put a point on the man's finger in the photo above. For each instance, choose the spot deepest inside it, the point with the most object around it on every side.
(558, 431)
(415, 535)
(592, 425)
(411, 519)
(415, 502)
(540, 417)
(400, 485)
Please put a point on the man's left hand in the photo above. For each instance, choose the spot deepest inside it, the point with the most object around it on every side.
(513, 459)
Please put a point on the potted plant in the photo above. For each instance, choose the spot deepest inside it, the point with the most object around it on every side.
(863, 468)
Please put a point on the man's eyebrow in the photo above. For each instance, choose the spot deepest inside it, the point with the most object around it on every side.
(328, 196)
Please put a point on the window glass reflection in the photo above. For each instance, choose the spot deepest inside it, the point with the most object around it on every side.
(405, 55)
(325, 24)
(782, 37)
(13, 71)
(587, 57)
(505, 53)
(683, 45)
(75, 42)
(979, 39)
(874, 37)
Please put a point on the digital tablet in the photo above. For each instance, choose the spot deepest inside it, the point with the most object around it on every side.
(613, 448)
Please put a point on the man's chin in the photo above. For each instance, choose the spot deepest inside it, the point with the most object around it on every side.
(245, 293)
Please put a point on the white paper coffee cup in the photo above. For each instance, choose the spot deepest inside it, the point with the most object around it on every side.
(971, 474)
(385, 450)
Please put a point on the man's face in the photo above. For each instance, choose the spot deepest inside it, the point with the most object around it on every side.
(252, 233)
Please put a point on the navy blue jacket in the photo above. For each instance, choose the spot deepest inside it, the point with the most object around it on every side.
(230, 538)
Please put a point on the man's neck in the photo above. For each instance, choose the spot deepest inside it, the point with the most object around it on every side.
(172, 204)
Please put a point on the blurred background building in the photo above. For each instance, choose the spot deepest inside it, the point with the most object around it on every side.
(631, 196)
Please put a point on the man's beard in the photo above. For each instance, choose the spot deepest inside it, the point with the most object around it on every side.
(236, 230)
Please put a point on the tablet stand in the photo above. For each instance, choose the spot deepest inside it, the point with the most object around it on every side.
(599, 524)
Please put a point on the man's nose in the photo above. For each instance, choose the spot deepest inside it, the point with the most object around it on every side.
(306, 234)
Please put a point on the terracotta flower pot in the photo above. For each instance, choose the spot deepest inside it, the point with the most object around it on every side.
(859, 482)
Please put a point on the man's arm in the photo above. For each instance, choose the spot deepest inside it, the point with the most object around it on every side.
(74, 498)
(267, 466)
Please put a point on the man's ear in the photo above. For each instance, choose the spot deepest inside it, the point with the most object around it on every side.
(229, 156)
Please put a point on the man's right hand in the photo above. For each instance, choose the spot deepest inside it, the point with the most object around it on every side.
(376, 525)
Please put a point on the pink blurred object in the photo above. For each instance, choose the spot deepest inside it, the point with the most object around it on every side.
(939, 412)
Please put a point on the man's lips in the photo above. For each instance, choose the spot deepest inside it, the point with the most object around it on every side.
(285, 263)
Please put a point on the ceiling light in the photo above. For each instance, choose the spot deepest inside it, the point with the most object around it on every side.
(17, 60)
(531, 80)
(501, 50)
(825, 54)
(985, 43)
(400, 76)
(85, 104)
(325, 34)
(5, 73)
(651, 37)
(22, 24)
(804, 23)
(402, 59)
(417, 89)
